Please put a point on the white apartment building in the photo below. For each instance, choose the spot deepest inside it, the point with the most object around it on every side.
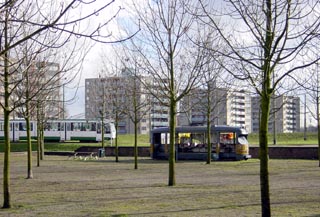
(44, 87)
(228, 107)
(284, 114)
(115, 95)
(54, 106)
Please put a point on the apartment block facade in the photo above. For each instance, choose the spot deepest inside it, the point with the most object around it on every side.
(115, 95)
(227, 107)
(44, 86)
(284, 114)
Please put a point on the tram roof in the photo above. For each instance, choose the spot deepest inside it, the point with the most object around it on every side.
(201, 129)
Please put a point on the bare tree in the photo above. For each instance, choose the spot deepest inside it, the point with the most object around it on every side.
(116, 110)
(30, 85)
(265, 39)
(138, 104)
(137, 99)
(311, 86)
(168, 56)
(213, 101)
(215, 86)
(23, 21)
(114, 85)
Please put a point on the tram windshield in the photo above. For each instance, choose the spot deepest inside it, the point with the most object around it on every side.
(243, 140)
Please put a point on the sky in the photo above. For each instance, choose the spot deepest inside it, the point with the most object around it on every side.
(92, 67)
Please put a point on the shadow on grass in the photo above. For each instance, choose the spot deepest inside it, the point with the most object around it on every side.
(170, 212)
(195, 210)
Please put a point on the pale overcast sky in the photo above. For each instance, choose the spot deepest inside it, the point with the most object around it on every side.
(91, 69)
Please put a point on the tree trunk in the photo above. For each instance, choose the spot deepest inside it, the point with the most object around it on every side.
(41, 142)
(264, 156)
(38, 148)
(209, 142)
(265, 112)
(28, 129)
(116, 151)
(135, 107)
(38, 135)
(6, 163)
(29, 144)
(319, 141)
(172, 160)
(318, 125)
(209, 126)
(102, 132)
(136, 143)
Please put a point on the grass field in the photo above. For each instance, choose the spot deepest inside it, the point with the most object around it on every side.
(64, 186)
(123, 140)
(287, 139)
(143, 140)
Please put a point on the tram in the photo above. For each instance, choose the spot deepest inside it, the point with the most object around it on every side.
(61, 130)
(228, 143)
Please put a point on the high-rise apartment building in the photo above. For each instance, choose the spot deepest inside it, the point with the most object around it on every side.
(284, 114)
(227, 107)
(116, 95)
(42, 80)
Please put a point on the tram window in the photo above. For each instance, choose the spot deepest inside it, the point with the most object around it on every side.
(214, 138)
(93, 127)
(83, 127)
(156, 138)
(165, 138)
(198, 138)
(76, 127)
(46, 126)
(60, 127)
(99, 128)
(52, 127)
(87, 126)
(242, 140)
(2, 127)
(69, 126)
(106, 128)
(227, 138)
(22, 127)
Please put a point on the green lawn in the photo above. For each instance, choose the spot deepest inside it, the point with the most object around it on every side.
(69, 186)
(143, 140)
(286, 139)
(123, 140)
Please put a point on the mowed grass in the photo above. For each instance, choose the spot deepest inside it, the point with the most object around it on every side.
(286, 139)
(68, 186)
(123, 140)
(283, 139)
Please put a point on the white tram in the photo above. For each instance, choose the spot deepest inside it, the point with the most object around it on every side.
(61, 130)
